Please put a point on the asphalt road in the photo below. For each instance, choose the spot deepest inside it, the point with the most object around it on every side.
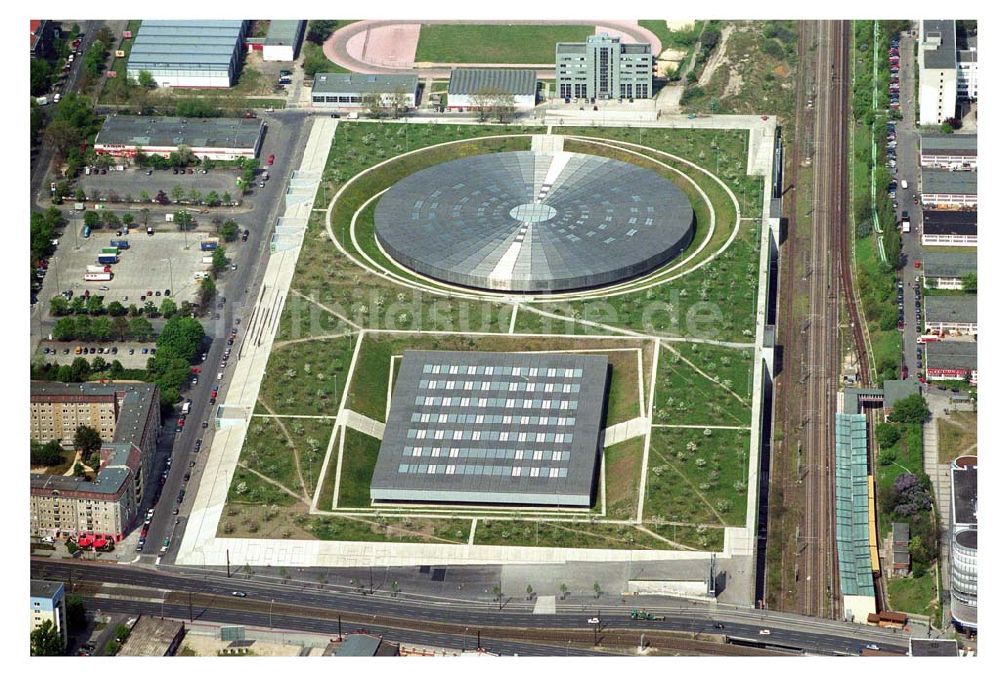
(810, 634)
(286, 137)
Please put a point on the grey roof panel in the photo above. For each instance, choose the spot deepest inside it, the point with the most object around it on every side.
(480, 427)
(938, 222)
(517, 82)
(164, 44)
(965, 494)
(490, 221)
(144, 130)
(944, 55)
(948, 264)
(284, 31)
(951, 308)
(944, 181)
(951, 144)
(341, 83)
(951, 354)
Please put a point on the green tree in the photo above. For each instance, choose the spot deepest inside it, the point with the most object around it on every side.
(79, 370)
(146, 79)
(184, 220)
(180, 337)
(95, 305)
(79, 470)
(912, 409)
(128, 219)
(76, 614)
(227, 198)
(86, 440)
(970, 282)
(212, 199)
(195, 195)
(46, 640)
(58, 306)
(140, 329)
(41, 76)
(219, 260)
(229, 230)
(112, 221)
(320, 29)
(206, 293)
(177, 193)
(46, 454)
(98, 365)
(168, 308)
(64, 329)
(887, 434)
(314, 61)
(116, 309)
(92, 219)
(119, 326)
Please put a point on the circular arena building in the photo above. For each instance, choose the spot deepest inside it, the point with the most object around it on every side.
(531, 221)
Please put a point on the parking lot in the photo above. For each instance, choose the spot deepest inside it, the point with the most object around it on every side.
(64, 352)
(134, 181)
(156, 263)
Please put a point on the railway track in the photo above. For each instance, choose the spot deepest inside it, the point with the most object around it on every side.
(817, 263)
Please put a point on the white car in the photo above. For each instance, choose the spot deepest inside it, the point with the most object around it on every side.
(764, 632)
(594, 621)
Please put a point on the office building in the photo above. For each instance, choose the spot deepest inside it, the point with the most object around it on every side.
(950, 228)
(964, 563)
(955, 152)
(353, 91)
(604, 68)
(211, 138)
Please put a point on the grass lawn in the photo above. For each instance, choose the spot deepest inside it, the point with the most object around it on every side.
(623, 473)
(914, 595)
(698, 479)
(325, 501)
(360, 454)
(683, 396)
(734, 367)
(247, 488)
(396, 529)
(956, 434)
(672, 39)
(580, 534)
(490, 43)
(907, 455)
(710, 539)
(369, 386)
(307, 377)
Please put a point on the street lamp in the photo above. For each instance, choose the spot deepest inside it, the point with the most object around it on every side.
(269, 609)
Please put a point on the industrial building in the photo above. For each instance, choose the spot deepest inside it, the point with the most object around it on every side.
(282, 42)
(468, 87)
(363, 645)
(211, 138)
(920, 647)
(495, 428)
(604, 68)
(534, 221)
(938, 65)
(48, 603)
(352, 91)
(202, 54)
(964, 542)
(952, 361)
(941, 188)
(956, 152)
(950, 228)
(951, 314)
(64, 505)
(151, 636)
(946, 270)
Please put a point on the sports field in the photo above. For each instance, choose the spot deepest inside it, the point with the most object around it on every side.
(491, 43)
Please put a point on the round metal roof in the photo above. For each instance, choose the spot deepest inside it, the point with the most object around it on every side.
(530, 221)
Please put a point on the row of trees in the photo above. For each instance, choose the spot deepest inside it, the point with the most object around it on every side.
(44, 227)
(80, 370)
(177, 347)
(94, 305)
(493, 102)
(84, 328)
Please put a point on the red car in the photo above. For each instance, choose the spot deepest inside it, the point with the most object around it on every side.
(270, 159)
(180, 423)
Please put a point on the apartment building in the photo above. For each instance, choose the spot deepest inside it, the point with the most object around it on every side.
(127, 416)
(48, 603)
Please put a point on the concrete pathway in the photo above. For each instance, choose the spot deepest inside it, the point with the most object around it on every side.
(626, 430)
(363, 424)
(940, 479)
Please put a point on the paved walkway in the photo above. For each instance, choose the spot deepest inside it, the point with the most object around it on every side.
(940, 475)
(363, 424)
(253, 352)
(626, 430)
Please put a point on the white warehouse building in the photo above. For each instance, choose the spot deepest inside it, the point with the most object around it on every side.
(212, 138)
(201, 54)
(938, 71)
(468, 87)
